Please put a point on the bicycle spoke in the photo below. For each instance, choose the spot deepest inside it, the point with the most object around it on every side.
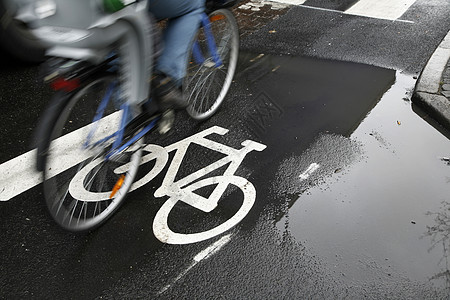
(210, 83)
(197, 89)
(200, 91)
(72, 210)
(61, 202)
(83, 209)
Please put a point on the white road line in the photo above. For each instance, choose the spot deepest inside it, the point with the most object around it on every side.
(204, 254)
(322, 9)
(347, 13)
(212, 249)
(290, 2)
(380, 9)
(19, 174)
(311, 169)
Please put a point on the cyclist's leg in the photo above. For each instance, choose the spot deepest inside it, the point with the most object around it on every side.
(184, 18)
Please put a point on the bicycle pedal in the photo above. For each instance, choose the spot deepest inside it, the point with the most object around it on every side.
(210, 64)
(166, 122)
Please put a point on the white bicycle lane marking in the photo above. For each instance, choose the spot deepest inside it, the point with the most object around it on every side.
(183, 189)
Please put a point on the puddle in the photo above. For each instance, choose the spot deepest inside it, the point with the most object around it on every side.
(385, 216)
(294, 99)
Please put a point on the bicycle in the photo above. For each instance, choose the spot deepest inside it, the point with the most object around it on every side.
(95, 121)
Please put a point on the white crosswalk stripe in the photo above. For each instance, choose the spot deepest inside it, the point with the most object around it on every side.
(379, 9)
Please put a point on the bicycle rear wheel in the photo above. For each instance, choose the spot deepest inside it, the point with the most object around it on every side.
(208, 79)
(81, 139)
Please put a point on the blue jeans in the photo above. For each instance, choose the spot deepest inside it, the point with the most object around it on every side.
(184, 19)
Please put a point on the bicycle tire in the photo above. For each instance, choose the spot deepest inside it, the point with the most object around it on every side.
(206, 85)
(67, 155)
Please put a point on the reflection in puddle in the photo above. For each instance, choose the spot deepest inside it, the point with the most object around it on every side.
(367, 221)
(439, 233)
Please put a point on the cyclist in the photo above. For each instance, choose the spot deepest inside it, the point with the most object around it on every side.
(184, 17)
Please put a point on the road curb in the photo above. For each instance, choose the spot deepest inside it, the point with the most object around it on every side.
(436, 105)
(427, 91)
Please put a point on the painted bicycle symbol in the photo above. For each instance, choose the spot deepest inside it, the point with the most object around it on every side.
(184, 188)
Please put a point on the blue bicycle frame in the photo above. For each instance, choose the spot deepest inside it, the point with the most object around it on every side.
(196, 51)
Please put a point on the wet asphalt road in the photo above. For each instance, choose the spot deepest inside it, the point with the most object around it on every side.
(329, 95)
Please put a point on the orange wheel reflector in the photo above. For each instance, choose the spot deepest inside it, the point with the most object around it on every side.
(216, 18)
(117, 186)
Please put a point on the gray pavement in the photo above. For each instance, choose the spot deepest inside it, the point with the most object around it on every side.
(432, 91)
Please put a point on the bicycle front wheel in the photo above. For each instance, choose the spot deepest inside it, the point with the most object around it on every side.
(210, 71)
(83, 185)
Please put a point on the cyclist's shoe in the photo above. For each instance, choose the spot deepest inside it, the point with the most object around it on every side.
(168, 95)
(166, 122)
